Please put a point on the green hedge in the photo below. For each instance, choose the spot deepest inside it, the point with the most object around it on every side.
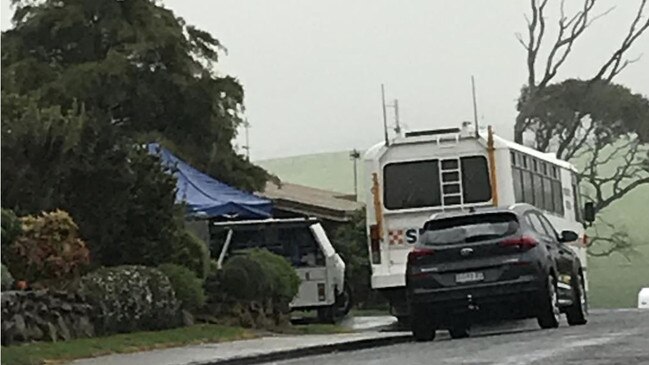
(188, 288)
(131, 298)
(255, 287)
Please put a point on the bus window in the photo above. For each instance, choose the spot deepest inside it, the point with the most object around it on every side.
(528, 192)
(538, 191)
(557, 197)
(576, 199)
(548, 201)
(475, 179)
(518, 184)
(412, 185)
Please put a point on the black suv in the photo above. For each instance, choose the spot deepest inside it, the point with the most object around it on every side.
(493, 264)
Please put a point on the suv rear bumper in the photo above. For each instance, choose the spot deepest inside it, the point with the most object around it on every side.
(490, 299)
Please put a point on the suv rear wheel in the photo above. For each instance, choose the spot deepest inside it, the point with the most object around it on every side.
(577, 313)
(550, 314)
(422, 326)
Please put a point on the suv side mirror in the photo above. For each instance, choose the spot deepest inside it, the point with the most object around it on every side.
(569, 236)
(589, 212)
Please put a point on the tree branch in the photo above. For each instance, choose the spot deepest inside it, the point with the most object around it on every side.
(614, 65)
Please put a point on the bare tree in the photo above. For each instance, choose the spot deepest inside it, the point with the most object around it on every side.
(570, 29)
(581, 119)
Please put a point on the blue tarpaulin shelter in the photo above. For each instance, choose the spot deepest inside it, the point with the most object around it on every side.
(206, 197)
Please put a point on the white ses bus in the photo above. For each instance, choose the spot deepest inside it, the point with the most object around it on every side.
(446, 170)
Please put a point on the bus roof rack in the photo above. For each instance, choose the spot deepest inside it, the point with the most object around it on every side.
(432, 132)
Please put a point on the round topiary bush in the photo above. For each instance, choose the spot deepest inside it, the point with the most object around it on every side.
(188, 288)
(193, 254)
(131, 298)
(281, 276)
(255, 286)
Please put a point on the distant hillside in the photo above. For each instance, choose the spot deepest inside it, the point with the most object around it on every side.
(614, 281)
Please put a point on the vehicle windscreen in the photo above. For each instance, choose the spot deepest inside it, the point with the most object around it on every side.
(467, 229)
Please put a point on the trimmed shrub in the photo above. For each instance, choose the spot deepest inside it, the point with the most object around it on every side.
(11, 229)
(193, 254)
(49, 248)
(131, 298)
(255, 287)
(283, 280)
(7, 279)
(188, 288)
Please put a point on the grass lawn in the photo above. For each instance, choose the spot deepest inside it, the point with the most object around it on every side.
(37, 353)
(56, 352)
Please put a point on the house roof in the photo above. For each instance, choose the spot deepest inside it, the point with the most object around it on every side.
(312, 201)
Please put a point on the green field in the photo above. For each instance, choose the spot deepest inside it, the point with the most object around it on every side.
(614, 281)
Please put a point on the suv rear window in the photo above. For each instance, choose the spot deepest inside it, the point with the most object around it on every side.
(470, 228)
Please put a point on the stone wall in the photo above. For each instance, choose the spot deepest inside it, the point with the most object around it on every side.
(43, 315)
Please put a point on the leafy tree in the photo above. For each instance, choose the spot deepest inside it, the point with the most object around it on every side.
(610, 142)
(120, 196)
(592, 122)
(84, 83)
(135, 65)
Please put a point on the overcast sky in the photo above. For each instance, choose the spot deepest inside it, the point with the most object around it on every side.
(312, 70)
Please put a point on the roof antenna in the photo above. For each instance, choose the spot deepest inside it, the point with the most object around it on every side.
(385, 117)
(475, 108)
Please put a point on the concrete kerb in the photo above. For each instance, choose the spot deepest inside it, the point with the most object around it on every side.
(351, 345)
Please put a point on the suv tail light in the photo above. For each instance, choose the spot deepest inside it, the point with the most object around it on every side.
(418, 252)
(375, 244)
(525, 242)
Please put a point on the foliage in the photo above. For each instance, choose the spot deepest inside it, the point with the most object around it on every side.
(603, 128)
(122, 198)
(49, 248)
(260, 274)
(11, 229)
(188, 288)
(350, 241)
(193, 254)
(63, 351)
(282, 276)
(135, 67)
(7, 279)
(254, 287)
(131, 298)
(592, 117)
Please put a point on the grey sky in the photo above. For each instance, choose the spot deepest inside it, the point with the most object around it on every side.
(312, 70)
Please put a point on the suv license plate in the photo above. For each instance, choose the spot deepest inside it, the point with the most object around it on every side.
(468, 277)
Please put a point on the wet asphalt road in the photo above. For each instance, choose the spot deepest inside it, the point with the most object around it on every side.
(610, 337)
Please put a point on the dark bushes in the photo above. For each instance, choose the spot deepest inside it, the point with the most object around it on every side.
(188, 288)
(254, 287)
(193, 254)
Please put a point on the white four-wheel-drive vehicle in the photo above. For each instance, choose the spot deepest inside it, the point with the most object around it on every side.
(304, 243)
